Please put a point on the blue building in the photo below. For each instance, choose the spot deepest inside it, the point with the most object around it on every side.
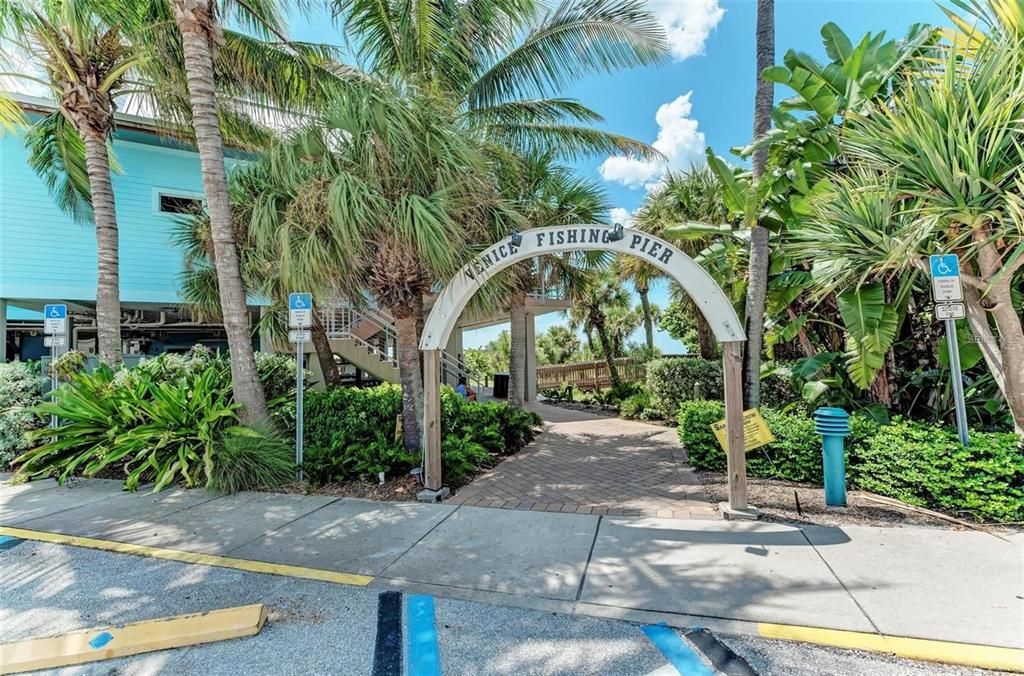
(47, 257)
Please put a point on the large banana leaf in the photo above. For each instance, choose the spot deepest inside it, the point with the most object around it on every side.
(871, 326)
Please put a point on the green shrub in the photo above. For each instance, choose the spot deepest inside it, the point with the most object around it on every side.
(150, 431)
(702, 450)
(249, 458)
(462, 456)
(925, 465)
(672, 380)
(351, 433)
(19, 392)
(795, 455)
(635, 405)
(919, 463)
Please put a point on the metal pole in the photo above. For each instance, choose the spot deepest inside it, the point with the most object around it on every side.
(299, 375)
(958, 381)
(53, 383)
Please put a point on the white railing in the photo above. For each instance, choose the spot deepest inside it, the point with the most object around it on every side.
(342, 319)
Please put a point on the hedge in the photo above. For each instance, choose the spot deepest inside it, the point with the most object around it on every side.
(916, 462)
(671, 381)
(350, 433)
(19, 393)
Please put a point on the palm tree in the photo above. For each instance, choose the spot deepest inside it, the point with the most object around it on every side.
(757, 275)
(197, 21)
(545, 193)
(86, 61)
(601, 294)
(688, 210)
(283, 227)
(500, 65)
(402, 193)
(642, 275)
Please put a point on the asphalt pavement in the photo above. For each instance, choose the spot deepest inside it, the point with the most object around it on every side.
(323, 628)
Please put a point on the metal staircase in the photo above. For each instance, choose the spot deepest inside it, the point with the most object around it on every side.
(365, 336)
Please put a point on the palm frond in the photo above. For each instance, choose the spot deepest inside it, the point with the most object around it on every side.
(57, 154)
(576, 39)
(569, 142)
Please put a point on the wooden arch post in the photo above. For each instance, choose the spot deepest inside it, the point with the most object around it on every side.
(698, 284)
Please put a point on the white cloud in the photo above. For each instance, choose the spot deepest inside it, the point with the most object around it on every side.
(679, 140)
(620, 215)
(688, 23)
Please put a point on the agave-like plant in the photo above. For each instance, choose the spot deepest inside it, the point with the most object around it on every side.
(940, 168)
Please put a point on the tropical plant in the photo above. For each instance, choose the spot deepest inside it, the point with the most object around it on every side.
(20, 391)
(86, 61)
(284, 229)
(557, 345)
(599, 294)
(151, 431)
(501, 65)
(939, 168)
(688, 209)
(545, 193)
(249, 459)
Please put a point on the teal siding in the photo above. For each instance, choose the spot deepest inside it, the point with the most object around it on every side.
(45, 255)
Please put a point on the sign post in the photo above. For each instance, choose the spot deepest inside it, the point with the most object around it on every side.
(55, 326)
(300, 316)
(948, 294)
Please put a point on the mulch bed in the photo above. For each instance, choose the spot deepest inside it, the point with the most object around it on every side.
(399, 489)
(777, 502)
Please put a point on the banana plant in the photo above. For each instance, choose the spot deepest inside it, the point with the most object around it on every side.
(871, 327)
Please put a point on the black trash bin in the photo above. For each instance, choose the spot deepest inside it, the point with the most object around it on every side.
(501, 386)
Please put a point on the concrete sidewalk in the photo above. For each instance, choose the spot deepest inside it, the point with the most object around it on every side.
(925, 583)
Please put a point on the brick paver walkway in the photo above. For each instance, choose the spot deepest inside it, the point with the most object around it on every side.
(592, 465)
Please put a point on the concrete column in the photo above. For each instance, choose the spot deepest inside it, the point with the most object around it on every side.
(530, 393)
(3, 330)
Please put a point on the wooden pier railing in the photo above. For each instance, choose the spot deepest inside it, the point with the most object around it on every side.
(591, 375)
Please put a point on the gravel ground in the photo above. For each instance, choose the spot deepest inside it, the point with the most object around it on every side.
(321, 628)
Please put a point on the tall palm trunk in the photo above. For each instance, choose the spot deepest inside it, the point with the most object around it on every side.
(645, 305)
(196, 21)
(410, 374)
(757, 277)
(517, 353)
(324, 353)
(606, 347)
(705, 337)
(108, 295)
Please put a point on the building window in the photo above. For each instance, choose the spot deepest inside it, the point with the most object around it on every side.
(179, 204)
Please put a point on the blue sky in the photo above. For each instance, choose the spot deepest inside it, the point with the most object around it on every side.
(703, 96)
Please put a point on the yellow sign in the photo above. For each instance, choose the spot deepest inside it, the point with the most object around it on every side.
(755, 431)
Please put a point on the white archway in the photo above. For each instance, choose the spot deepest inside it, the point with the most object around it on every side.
(698, 284)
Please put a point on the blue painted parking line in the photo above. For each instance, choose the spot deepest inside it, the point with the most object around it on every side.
(681, 656)
(7, 542)
(424, 654)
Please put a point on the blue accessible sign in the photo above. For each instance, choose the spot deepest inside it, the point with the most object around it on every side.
(55, 319)
(300, 309)
(946, 287)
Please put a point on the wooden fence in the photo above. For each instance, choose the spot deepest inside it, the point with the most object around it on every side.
(591, 375)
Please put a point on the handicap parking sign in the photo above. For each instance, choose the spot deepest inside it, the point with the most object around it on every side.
(946, 287)
(55, 319)
(300, 309)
